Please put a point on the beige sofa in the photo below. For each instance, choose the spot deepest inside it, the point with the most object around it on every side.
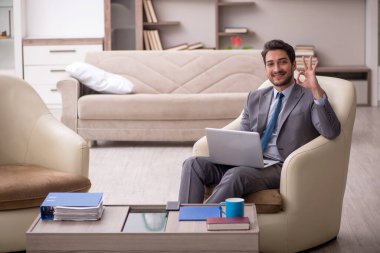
(176, 95)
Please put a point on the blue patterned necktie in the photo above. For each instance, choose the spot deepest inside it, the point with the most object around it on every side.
(272, 123)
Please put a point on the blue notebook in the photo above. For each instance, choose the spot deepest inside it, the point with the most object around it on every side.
(74, 199)
(198, 213)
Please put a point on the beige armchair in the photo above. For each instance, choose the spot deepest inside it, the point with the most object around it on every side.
(313, 181)
(38, 154)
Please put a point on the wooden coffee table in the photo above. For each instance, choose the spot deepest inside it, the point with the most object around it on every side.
(107, 235)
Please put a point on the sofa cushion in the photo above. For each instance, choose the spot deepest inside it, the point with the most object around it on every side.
(98, 79)
(161, 106)
(27, 186)
(266, 201)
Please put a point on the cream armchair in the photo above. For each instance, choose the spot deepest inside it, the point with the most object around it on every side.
(38, 154)
(313, 181)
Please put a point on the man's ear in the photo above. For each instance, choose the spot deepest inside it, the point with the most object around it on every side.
(294, 66)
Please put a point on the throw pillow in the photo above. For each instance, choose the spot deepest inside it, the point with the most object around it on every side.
(98, 79)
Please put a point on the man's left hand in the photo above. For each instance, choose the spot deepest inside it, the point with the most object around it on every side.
(310, 81)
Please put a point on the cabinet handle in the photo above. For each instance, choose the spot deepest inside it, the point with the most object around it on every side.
(54, 90)
(57, 70)
(63, 51)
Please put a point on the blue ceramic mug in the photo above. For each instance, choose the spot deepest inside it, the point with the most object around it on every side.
(234, 207)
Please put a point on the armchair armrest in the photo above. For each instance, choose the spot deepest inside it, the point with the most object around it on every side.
(313, 180)
(70, 92)
(53, 145)
(200, 148)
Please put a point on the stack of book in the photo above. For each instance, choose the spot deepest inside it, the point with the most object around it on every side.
(152, 40)
(223, 223)
(150, 14)
(72, 206)
(306, 51)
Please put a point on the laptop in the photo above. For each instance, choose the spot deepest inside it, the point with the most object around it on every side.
(237, 148)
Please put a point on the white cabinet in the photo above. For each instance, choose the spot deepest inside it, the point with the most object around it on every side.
(45, 61)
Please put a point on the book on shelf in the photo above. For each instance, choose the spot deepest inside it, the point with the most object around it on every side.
(195, 46)
(152, 40)
(235, 30)
(304, 50)
(158, 39)
(223, 223)
(147, 12)
(299, 61)
(304, 47)
(152, 11)
(146, 40)
(72, 206)
(178, 47)
(304, 53)
(299, 58)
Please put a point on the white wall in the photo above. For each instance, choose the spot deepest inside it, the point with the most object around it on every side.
(372, 46)
(64, 18)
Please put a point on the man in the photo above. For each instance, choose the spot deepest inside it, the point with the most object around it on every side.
(287, 116)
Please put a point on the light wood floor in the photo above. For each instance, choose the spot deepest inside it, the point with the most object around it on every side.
(140, 173)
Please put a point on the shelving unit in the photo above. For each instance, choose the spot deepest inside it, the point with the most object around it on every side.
(249, 33)
(234, 3)
(161, 23)
(183, 26)
(229, 15)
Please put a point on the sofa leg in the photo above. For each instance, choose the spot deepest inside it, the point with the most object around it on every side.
(91, 144)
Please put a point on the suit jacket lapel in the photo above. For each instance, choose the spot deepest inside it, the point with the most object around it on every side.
(293, 99)
(264, 106)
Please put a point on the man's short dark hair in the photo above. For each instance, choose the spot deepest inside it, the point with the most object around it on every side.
(279, 44)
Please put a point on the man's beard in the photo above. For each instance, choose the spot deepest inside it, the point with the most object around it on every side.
(284, 83)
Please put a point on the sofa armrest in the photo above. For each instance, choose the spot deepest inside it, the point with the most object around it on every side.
(200, 148)
(70, 92)
(53, 145)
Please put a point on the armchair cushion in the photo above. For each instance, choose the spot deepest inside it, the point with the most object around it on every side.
(27, 186)
(266, 201)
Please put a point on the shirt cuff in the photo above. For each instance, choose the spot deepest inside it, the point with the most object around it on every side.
(321, 101)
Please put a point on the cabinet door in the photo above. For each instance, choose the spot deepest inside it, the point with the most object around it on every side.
(123, 24)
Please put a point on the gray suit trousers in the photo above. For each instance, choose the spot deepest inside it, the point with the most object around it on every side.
(231, 181)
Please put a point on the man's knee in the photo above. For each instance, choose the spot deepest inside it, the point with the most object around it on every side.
(195, 162)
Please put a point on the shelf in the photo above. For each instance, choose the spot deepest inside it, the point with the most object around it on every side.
(162, 23)
(238, 3)
(62, 41)
(223, 34)
(348, 68)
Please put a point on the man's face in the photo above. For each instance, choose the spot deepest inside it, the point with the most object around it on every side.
(279, 69)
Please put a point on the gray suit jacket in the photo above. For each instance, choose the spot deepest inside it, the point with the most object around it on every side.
(301, 120)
